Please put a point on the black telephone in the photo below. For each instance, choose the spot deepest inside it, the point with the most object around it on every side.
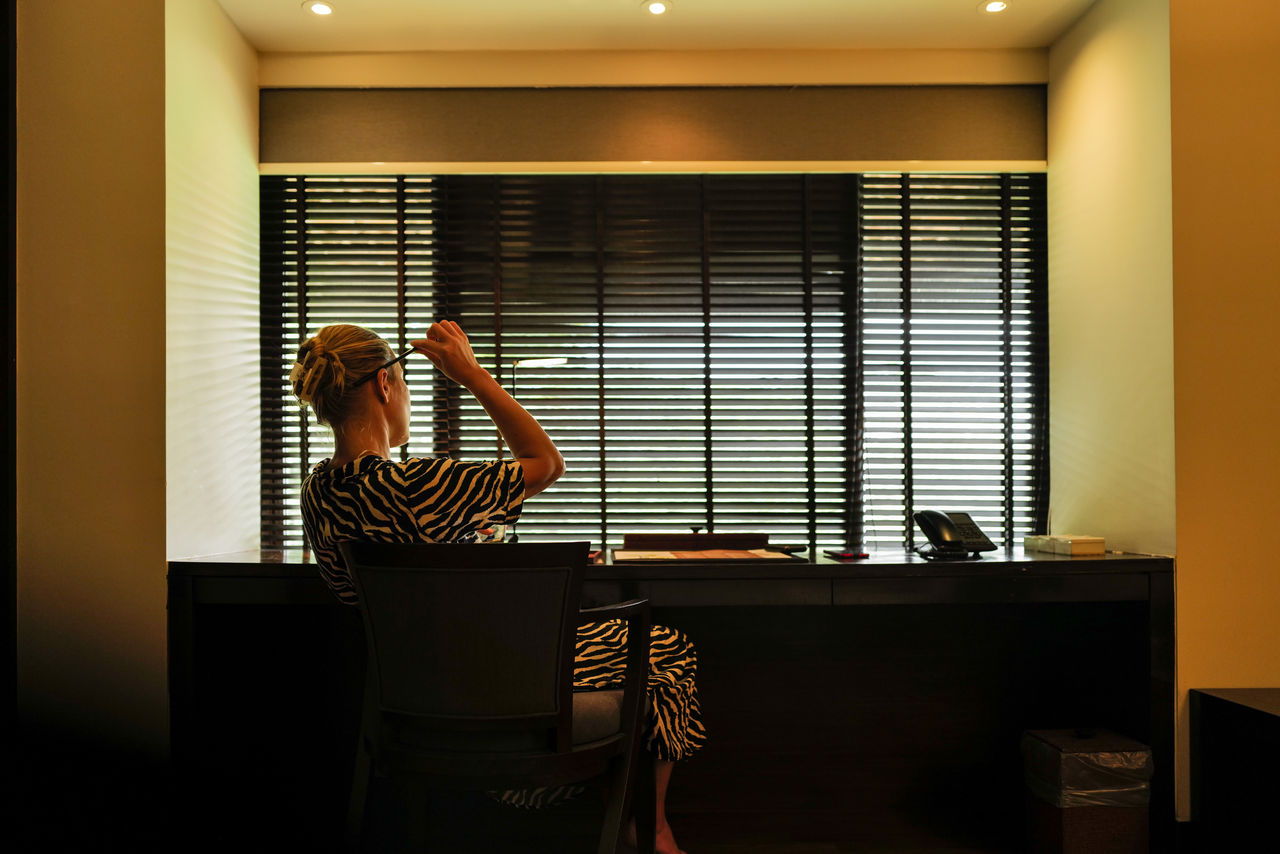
(952, 536)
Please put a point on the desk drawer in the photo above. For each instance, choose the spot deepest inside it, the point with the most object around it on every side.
(1111, 587)
(712, 592)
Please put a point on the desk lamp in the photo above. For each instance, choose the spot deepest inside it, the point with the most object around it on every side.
(532, 363)
(515, 372)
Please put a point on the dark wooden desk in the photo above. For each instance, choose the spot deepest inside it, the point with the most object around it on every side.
(847, 702)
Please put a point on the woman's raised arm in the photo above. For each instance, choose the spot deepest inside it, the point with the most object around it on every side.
(447, 347)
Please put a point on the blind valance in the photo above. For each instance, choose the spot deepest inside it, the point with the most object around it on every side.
(558, 126)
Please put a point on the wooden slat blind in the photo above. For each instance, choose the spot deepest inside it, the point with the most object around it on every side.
(804, 355)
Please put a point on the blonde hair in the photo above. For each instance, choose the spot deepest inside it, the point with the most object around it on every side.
(330, 363)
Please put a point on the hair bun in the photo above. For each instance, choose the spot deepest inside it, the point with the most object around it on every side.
(317, 368)
(326, 362)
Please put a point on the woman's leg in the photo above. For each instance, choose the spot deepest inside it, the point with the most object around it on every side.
(664, 841)
(674, 729)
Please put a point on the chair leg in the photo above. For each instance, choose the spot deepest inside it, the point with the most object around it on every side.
(359, 797)
(645, 807)
(613, 830)
(631, 793)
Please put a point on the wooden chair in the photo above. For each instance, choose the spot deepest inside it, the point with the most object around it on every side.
(469, 681)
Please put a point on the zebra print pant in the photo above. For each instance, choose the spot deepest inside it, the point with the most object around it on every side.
(674, 729)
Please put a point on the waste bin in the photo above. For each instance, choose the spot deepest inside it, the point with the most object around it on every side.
(1087, 792)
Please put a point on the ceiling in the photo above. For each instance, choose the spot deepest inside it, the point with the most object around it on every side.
(500, 25)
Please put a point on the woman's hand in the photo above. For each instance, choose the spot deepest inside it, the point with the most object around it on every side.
(447, 347)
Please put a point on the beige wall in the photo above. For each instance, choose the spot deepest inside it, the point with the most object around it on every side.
(1111, 330)
(468, 68)
(90, 379)
(1110, 279)
(108, 352)
(211, 352)
(1225, 64)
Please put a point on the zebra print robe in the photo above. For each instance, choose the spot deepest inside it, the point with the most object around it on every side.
(445, 501)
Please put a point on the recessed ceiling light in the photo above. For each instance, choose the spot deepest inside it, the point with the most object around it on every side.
(656, 7)
(994, 6)
(316, 7)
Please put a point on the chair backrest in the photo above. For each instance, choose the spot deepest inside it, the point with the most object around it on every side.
(471, 636)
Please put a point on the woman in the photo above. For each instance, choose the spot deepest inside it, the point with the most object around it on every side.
(355, 385)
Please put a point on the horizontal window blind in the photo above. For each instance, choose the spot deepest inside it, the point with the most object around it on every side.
(803, 355)
(954, 351)
(335, 250)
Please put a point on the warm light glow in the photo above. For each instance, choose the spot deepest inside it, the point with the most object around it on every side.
(995, 6)
(540, 363)
(317, 8)
(656, 7)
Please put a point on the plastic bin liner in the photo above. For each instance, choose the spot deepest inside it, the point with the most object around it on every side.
(1079, 768)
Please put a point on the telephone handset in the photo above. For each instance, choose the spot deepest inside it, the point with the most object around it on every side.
(952, 536)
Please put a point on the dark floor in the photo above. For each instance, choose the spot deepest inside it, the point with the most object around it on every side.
(572, 827)
(67, 795)
(72, 797)
(94, 805)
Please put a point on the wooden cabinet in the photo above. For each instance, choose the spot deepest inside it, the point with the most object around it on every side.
(1235, 767)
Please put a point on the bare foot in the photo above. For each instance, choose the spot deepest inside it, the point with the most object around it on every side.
(664, 841)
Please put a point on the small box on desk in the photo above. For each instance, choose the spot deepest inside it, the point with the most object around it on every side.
(1087, 792)
(1065, 544)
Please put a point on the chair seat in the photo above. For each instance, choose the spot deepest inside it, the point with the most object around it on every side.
(597, 715)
